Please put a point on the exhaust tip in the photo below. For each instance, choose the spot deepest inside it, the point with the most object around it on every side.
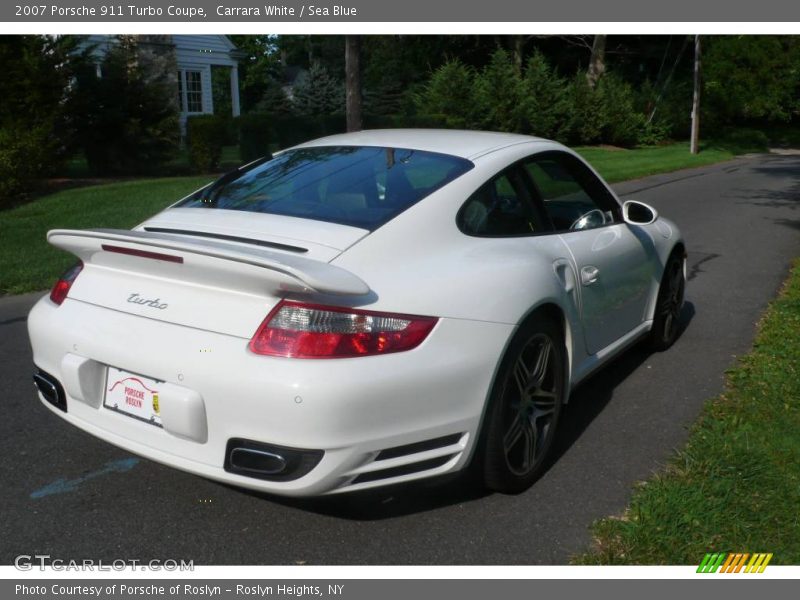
(257, 461)
(269, 461)
(50, 389)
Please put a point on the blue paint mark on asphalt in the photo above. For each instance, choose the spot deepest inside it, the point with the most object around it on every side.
(61, 486)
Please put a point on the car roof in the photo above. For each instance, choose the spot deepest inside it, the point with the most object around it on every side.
(456, 142)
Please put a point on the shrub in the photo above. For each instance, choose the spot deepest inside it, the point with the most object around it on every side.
(544, 100)
(256, 135)
(621, 124)
(497, 94)
(585, 125)
(274, 100)
(292, 130)
(449, 93)
(405, 121)
(742, 140)
(206, 134)
(318, 94)
(605, 113)
(127, 119)
(666, 109)
(260, 133)
(24, 157)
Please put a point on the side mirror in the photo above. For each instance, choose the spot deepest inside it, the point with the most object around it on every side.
(638, 213)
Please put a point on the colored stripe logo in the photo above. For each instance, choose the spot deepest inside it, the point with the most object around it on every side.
(734, 562)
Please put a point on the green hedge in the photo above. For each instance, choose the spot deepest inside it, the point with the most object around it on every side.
(206, 135)
(256, 135)
(26, 155)
(260, 133)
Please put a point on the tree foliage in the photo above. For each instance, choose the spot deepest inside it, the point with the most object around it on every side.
(536, 100)
(750, 78)
(34, 127)
(318, 93)
(127, 117)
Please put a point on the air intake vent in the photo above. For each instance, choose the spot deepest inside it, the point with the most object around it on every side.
(433, 444)
(416, 467)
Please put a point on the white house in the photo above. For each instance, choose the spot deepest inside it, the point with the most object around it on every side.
(194, 55)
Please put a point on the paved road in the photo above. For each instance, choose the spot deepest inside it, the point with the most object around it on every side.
(66, 494)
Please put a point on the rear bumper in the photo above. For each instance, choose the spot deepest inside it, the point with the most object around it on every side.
(350, 409)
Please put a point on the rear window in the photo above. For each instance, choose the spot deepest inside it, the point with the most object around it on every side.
(352, 185)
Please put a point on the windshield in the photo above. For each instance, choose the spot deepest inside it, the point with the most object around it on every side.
(358, 186)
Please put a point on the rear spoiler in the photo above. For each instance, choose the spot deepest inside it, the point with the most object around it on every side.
(293, 273)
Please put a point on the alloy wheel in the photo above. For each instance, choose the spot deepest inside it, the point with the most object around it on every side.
(530, 401)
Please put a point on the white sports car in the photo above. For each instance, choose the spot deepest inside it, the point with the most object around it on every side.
(360, 310)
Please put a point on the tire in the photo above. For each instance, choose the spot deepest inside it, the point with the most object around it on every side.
(524, 407)
(666, 320)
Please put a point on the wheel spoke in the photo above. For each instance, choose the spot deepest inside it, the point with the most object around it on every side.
(531, 438)
(522, 377)
(668, 321)
(667, 307)
(539, 371)
(514, 433)
(544, 403)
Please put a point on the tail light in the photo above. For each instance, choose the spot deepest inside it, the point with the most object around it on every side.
(300, 330)
(60, 290)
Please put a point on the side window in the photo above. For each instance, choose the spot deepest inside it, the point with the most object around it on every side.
(573, 197)
(501, 207)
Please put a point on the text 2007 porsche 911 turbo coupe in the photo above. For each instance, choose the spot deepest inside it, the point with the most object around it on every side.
(360, 310)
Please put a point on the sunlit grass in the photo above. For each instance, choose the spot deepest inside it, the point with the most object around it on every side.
(28, 262)
(735, 487)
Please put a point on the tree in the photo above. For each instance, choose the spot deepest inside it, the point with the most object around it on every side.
(497, 94)
(694, 139)
(449, 94)
(597, 61)
(544, 101)
(318, 94)
(747, 78)
(259, 67)
(127, 118)
(34, 127)
(353, 82)
(274, 100)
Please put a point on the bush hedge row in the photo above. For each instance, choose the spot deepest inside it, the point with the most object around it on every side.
(261, 133)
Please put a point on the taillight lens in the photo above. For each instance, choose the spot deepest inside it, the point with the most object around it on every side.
(60, 290)
(300, 330)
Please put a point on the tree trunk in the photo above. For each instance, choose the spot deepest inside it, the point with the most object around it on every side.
(694, 145)
(597, 62)
(519, 44)
(352, 67)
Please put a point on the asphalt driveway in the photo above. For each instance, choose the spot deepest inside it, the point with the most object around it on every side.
(71, 496)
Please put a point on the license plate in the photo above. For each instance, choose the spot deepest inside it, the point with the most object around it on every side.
(133, 395)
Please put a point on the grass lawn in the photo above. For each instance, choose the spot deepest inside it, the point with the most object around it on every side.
(736, 485)
(28, 262)
(620, 164)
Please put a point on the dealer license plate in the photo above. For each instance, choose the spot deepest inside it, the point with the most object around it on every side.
(133, 395)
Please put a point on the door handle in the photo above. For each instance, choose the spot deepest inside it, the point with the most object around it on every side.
(589, 275)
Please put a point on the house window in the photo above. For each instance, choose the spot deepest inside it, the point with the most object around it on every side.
(190, 91)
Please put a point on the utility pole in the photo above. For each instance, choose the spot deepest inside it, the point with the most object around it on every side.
(352, 69)
(694, 144)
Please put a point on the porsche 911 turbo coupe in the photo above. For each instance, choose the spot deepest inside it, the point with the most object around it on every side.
(361, 310)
